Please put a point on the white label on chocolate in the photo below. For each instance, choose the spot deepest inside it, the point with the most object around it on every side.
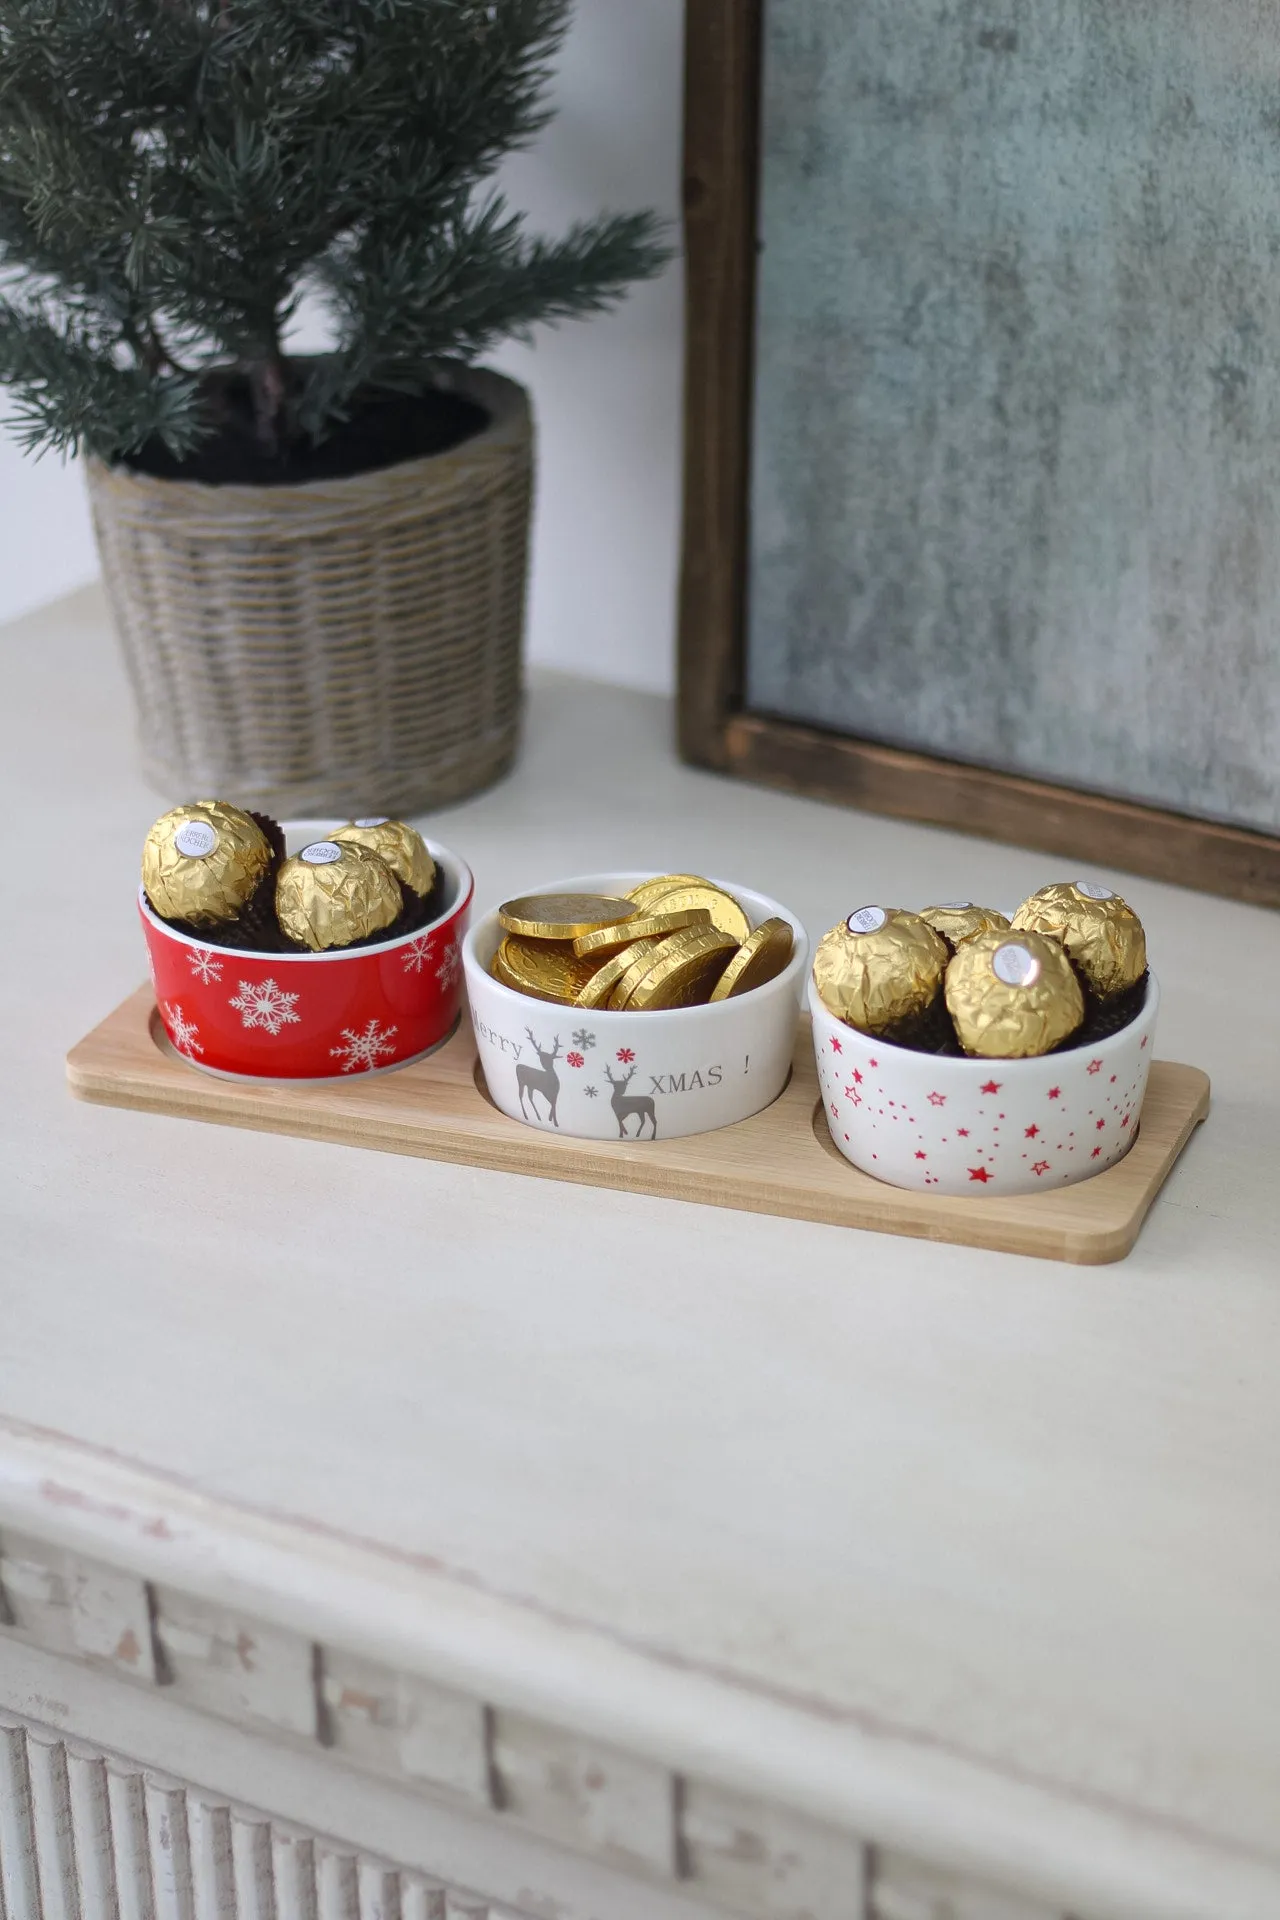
(954, 906)
(1016, 966)
(867, 920)
(373, 820)
(1092, 891)
(321, 853)
(195, 838)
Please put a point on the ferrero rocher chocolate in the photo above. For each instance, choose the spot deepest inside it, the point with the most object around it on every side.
(880, 969)
(1099, 931)
(402, 848)
(959, 920)
(333, 893)
(204, 862)
(1012, 996)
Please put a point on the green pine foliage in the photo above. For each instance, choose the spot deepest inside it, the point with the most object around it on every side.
(176, 175)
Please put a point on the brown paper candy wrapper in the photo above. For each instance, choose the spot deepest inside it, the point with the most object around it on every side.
(881, 971)
(332, 895)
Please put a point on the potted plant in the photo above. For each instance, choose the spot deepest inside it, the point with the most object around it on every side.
(316, 562)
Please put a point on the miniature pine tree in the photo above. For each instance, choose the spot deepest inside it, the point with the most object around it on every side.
(177, 175)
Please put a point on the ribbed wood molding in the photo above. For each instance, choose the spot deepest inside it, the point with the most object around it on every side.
(86, 1835)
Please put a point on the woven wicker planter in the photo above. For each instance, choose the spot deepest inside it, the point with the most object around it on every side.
(348, 646)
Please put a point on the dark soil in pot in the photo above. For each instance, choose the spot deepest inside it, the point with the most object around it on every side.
(383, 430)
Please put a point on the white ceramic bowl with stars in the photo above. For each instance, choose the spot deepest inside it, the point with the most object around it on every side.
(982, 1126)
(634, 1076)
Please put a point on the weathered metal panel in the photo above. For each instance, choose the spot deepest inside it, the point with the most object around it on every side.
(1016, 482)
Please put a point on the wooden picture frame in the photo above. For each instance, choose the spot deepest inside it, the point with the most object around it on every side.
(716, 728)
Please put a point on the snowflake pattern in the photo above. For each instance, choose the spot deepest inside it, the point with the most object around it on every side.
(417, 953)
(182, 1031)
(591, 1091)
(450, 965)
(575, 1060)
(266, 1005)
(363, 1051)
(1085, 1121)
(207, 969)
(626, 1055)
(584, 1040)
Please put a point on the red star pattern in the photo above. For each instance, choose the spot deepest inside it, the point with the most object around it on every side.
(1031, 1133)
(1125, 1120)
(1145, 1038)
(991, 1086)
(1094, 1066)
(1100, 1125)
(1040, 1166)
(937, 1099)
(1095, 1153)
(835, 1045)
(962, 1133)
(979, 1173)
(626, 1055)
(920, 1155)
(1055, 1093)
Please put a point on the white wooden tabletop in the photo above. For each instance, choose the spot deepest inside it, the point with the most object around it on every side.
(980, 1551)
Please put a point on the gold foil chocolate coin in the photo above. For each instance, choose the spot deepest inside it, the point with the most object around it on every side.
(762, 956)
(544, 969)
(648, 891)
(204, 862)
(562, 916)
(959, 920)
(725, 912)
(1012, 996)
(879, 968)
(644, 926)
(599, 988)
(1101, 933)
(334, 892)
(684, 971)
(401, 847)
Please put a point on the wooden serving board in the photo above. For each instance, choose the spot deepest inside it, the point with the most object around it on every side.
(782, 1161)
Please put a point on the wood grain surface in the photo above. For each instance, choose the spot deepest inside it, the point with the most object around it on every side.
(721, 159)
(781, 1161)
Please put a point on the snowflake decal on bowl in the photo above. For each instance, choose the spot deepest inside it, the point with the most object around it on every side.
(591, 1091)
(583, 1040)
(417, 953)
(206, 968)
(266, 1005)
(626, 1055)
(575, 1060)
(363, 1051)
(450, 965)
(182, 1032)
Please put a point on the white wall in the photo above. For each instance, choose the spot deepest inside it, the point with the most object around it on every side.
(607, 391)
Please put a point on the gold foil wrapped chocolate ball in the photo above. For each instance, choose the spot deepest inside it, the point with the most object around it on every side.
(960, 920)
(880, 969)
(400, 847)
(335, 892)
(1100, 932)
(1012, 996)
(204, 862)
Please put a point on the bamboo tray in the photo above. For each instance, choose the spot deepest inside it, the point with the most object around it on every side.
(779, 1162)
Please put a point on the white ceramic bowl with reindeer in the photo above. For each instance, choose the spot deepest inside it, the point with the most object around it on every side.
(651, 1075)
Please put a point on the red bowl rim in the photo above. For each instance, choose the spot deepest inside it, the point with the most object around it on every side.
(454, 865)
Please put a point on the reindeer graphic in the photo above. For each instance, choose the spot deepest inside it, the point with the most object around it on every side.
(625, 1104)
(544, 1079)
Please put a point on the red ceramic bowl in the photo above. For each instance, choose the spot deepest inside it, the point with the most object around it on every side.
(312, 1016)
